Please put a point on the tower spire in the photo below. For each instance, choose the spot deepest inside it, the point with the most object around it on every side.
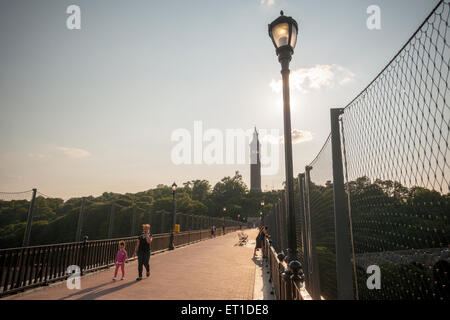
(255, 164)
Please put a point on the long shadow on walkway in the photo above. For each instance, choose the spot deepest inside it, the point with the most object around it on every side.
(89, 295)
(94, 295)
(84, 291)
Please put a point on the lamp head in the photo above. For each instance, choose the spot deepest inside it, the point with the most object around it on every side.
(283, 32)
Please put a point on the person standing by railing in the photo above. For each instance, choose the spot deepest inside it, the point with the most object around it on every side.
(259, 240)
(143, 250)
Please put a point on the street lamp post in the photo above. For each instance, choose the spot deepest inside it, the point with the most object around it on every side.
(262, 212)
(283, 32)
(223, 224)
(174, 217)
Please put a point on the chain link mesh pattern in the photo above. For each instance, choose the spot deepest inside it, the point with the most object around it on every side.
(396, 135)
(322, 220)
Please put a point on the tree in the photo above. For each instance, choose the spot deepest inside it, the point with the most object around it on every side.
(200, 190)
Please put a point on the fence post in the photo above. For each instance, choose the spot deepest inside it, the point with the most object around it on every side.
(284, 221)
(133, 221)
(305, 252)
(278, 223)
(341, 219)
(26, 236)
(279, 230)
(313, 264)
(83, 255)
(111, 222)
(80, 221)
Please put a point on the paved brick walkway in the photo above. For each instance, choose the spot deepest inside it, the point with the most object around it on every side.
(208, 270)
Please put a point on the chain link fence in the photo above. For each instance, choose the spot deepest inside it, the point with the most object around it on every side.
(395, 138)
(372, 208)
(321, 211)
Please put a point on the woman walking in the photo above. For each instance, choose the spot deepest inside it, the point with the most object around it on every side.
(143, 250)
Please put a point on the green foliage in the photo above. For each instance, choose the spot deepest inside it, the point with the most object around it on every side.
(55, 220)
(386, 218)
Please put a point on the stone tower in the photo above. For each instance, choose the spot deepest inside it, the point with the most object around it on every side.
(255, 164)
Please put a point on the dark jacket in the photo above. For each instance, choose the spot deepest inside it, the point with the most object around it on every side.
(259, 240)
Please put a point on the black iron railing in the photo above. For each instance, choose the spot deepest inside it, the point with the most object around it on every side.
(286, 282)
(27, 267)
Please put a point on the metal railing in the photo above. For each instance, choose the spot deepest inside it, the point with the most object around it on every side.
(27, 267)
(287, 282)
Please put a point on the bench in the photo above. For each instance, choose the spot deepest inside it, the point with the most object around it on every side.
(242, 238)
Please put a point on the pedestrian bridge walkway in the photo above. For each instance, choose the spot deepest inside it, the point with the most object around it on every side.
(214, 269)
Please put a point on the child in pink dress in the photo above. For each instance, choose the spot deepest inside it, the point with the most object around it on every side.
(121, 257)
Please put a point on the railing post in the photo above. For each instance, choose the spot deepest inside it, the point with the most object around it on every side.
(80, 221)
(313, 264)
(341, 219)
(26, 236)
(83, 255)
(111, 222)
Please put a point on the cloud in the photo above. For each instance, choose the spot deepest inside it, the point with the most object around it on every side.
(74, 152)
(297, 136)
(267, 2)
(316, 78)
(38, 155)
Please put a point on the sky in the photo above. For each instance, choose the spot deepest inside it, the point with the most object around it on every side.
(93, 110)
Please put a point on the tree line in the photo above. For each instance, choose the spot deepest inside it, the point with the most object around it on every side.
(388, 219)
(55, 220)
